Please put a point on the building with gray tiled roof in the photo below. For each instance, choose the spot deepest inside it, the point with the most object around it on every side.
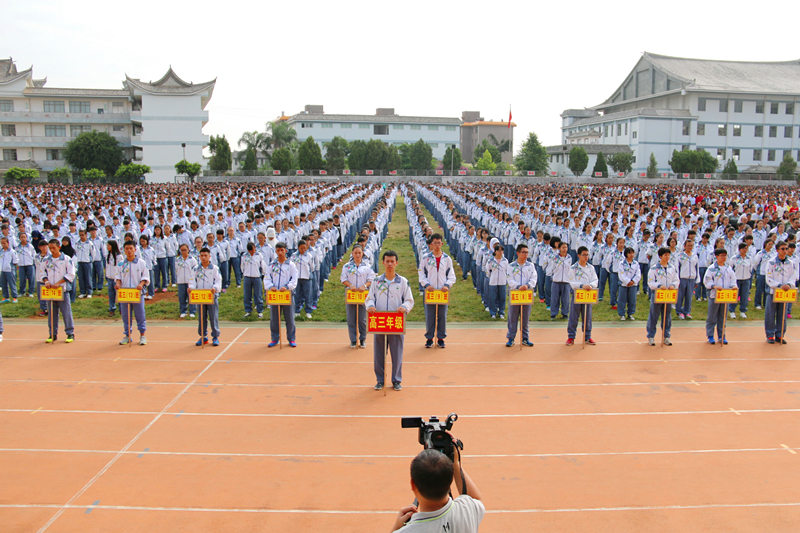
(746, 111)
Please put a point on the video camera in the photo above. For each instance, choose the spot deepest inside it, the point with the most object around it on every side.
(433, 434)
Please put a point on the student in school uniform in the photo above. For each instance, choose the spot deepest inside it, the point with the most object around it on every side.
(26, 254)
(207, 276)
(781, 274)
(436, 272)
(582, 276)
(521, 275)
(281, 276)
(760, 262)
(252, 268)
(133, 273)
(357, 275)
(495, 269)
(689, 276)
(742, 265)
(84, 254)
(113, 259)
(718, 276)
(662, 276)
(559, 268)
(389, 292)
(184, 269)
(304, 263)
(59, 271)
(629, 275)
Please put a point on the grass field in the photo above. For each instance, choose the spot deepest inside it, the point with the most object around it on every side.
(466, 305)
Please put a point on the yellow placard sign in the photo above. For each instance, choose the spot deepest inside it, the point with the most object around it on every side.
(279, 298)
(356, 297)
(583, 296)
(437, 297)
(129, 296)
(51, 294)
(727, 296)
(518, 297)
(201, 297)
(666, 296)
(782, 296)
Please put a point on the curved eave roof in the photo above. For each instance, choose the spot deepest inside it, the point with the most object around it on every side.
(152, 88)
(10, 78)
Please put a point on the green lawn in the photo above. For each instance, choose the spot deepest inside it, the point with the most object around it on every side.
(465, 304)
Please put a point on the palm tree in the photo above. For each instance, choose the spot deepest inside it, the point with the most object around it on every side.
(278, 135)
(253, 140)
(501, 146)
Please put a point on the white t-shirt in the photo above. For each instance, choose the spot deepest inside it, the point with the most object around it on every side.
(462, 515)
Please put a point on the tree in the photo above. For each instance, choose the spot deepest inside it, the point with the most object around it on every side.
(578, 160)
(221, 159)
(451, 159)
(22, 175)
(693, 162)
(357, 158)
(405, 155)
(278, 135)
(309, 157)
(788, 167)
(393, 161)
(132, 172)
(421, 156)
(252, 141)
(600, 166)
(482, 147)
(59, 173)
(190, 169)
(282, 159)
(730, 170)
(93, 174)
(652, 168)
(94, 149)
(504, 146)
(250, 161)
(375, 157)
(486, 162)
(533, 155)
(621, 162)
(336, 154)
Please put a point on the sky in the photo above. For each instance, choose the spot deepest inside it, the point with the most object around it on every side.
(421, 58)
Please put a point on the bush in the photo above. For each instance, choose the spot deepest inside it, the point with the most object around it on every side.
(22, 175)
(93, 174)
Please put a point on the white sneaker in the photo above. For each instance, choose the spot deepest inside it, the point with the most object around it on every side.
(667, 342)
(89, 296)
(758, 307)
(246, 315)
(81, 296)
(173, 285)
(622, 318)
(308, 315)
(733, 315)
(191, 315)
(742, 315)
(260, 315)
(651, 341)
(183, 315)
(631, 318)
(1, 337)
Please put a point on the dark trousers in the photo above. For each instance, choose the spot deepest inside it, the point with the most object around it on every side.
(435, 318)
(85, 278)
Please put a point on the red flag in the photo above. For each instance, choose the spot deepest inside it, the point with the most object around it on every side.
(509, 118)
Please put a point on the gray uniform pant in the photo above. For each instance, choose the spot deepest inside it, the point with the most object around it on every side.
(513, 321)
(209, 313)
(774, 313)
(396, 348)
(654, 319)
(137, 310)
(357, 331)
(576, 317)
(275, 320)
(716, 317)
(436, 317)
(65, 306)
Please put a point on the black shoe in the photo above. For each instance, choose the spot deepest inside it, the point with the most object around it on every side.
(429, 343)
(441, 343)
(363, 344)
(378, 386)
(353, 344)
(770, 340)
(781, 341)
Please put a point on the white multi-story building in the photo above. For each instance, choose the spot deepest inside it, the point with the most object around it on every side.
(746, 111)
(152, 121)
(384, 125)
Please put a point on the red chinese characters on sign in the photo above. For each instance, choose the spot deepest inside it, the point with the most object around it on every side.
(507, 173)
(276, 172)
(370, 172)
(300, 172)
(387, 323)
(439, 172)
(531, 173)
(462, 172)
(346, 172)
(393, 173)
(484, 172)
(323, 172)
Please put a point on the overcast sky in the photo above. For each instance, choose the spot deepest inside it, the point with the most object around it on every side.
(421, 58)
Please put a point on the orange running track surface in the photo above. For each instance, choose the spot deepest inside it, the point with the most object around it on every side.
(618, 437)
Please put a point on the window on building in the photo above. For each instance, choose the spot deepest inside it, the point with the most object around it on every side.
(722, 130)
(79, 107)
(787, 132)
(735, 153)
(433, 128)
(790, 108)
(363, 126)
(52, 130)
(380, 129)
(770, 155)
(417, 127)
(633, 160)
(306, 125)
(619, 129)
(759, 107)
(773, 131)
(701, 129)
(6, 105)
(756, 155)
(53, 106)
(119, 128)
(773, 108)
(626, 128)
(738, 105)
(8, 130)
(605, 131)
(685, 148)
(634, 134)
(721, 153)
(117, 107)
(397, 126)
(701, 104)
(55, 155)
(327, 125)
(9, 154)
(346, 126)
(737, 130)
(433, 145)
(686, 125)
(723, 106)
(100, 111)
(74, 130)
(450, 128)
(759, 131)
